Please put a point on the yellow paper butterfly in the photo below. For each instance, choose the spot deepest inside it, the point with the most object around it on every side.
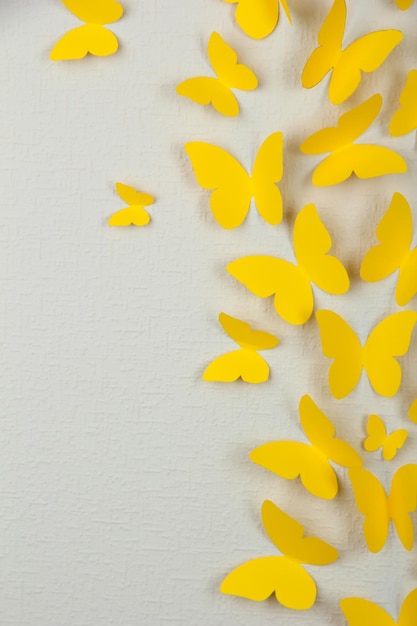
(389, 339)
(379, 509)
(285, 576)
(244, 363)
(311, 462)
(267, 276)
(347, 158)
(92, 37)
(361, 612)
(412, 411)
(230, 75)
(364, 55)
(395, 232)
(378, 438)
(405, 119)
(258, 18)
(404, 4)
(134, 214)
(233, 188)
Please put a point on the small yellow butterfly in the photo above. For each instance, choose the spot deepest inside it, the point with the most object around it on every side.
(230, 75)
(347, 158)
(404, 4)
(378, 438)
(267, 276)
(233, 188)
(311, 462)
(361, 612)
(405, 119)
(364, 55)
(395, 232)
(284, 575)
(92, 37)
(379, 509)
(244, 363)
(389, 339)
(134, 214)
(258, 18)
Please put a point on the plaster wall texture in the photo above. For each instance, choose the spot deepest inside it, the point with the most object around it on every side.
(126, 491)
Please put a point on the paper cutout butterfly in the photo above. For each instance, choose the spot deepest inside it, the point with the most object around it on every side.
(364, 55)
(347, 158)
(378, 438)
(258, 18)
(361, 612)
(404, 4)
(310, 462)
(395, 233)
(405, 119)
(230, 75)
(284, 575)
(92, 37)
(289, 283)
(244, 363)
(134, 214)
(412, 412)
(389, 339)
(233, 188)
(379, 509)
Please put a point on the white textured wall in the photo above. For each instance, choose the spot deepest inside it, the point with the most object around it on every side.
(126, 490)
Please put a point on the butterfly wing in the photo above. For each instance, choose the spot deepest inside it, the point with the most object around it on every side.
(321, 432)
(361, 612)
(389, 339)
(216, 170)
(95, 11)
(288, 536)
(224, 61)
(132, 216)
(245, 364)
(403, 501)
(291, 459)
(265, 276)
(242, 333)
(330, 38)
(407, 280)
(258, 18)
(206, 90)
(408, 610)
(404, 4)
(78, 42)
(412, 411)
(339, 342)
(394, 231)
(267, 171)
(372, 502)
(393, 443)
(364, 55)
(132, 197)
(259, 578)
(377, 434)
(312, 242)
(405, 119)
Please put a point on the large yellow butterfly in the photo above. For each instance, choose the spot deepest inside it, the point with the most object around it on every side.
(92, 37)
(258, 18)
(390, 338)
(361, 612)
(405, 119)
(378, 438)
(404, 4)
(379, 509)
(290, 284)
(347, 158)
(233, 188)
(395, 232)
(293, 586)
(311, 462)
(230, 75)
(244, 363)
(134, 214)
(364, 55)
